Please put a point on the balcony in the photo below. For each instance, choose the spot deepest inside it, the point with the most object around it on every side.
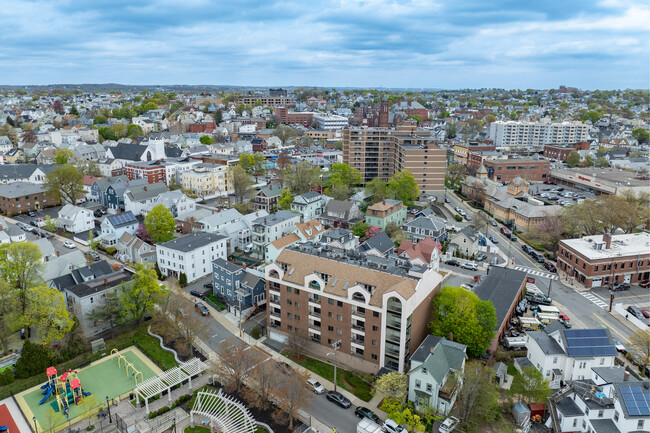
(314, 285)
(395, 339)
(359, 313)
(359, 329)
(274, 303)
(392, 353)
(397, 324)
(314, 313)
(258, 229)
(314, 302)
(358, 341)
(275, 316)
(315, 338)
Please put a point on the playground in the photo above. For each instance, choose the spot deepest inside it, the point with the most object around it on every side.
(59, 398)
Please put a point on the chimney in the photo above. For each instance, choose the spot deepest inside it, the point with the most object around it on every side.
(264, 220)
(219, 209)
(47, 258)
(383, 201)
(145, 188)
(607, 238)
(451, 336)
(626, 376)
(245, 266)
(58, 253)
(105, 282)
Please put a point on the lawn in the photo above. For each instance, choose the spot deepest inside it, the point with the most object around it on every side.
(215, 302)
(355, 383)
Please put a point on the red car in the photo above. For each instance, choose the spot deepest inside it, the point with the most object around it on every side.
(564, 317)
(505, 231)
(645, 284)
(646, 314)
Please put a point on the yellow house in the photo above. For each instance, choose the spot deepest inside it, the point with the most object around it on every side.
(206, 180)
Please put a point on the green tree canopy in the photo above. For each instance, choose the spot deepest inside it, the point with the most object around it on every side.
(139, 296)
(461, 313)
(300, 177)
(240, 182)
(285, 200)
(47, 311)
(393, 385)
(573, 159)
(402, 186)
(377, 189)
(62, 156)
(206, 139)
(360, 229)
(641, 135)
(594, 116)
(531, 385)
(21, 264)
(343, 176)
(601, 162)
(64, 184)
(160, 224)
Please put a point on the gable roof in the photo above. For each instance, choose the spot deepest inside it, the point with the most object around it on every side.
(144, 192)
(440, 356)
(269, 192)
(423, 249)
(192, 241)
(381, 242)
(122, 219)
(501, 287)
(127, 151)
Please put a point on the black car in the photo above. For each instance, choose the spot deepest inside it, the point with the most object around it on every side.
(197, 294)
(540, 300)
(337, 397)
(362, 412)
(33, 223)
(635, 312)
(94, 255)
(452, 262)
(202, 308)
(31, 214)
(513, 237)
(526, 248)
(620, 286)
(98, 213)
(208, 285)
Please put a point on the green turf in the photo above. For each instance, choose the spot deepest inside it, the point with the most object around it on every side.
(101, 380)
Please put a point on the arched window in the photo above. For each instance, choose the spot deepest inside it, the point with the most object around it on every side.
(356, 296)
(274, 274)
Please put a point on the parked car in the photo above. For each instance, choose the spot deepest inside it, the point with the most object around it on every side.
(620, 286)
(469, 287)
(363, 412)
(540, 300)
(391, 426)
(505, 231)
(197, 294)
(493, 240)
(202, 308)
(284, 368)
(645, 313)
(619, 347)
(449, 425)
(337, 398)
(315, 386)
(550, 267)
(31, 214)
(564, 317)
(494, 223)
(94, 256)
(526, 248)
(481, 257)
(645, 284)
(512, 237)
(470, 266)
(447, 200)
(467, 217)
(564, 323)
(33, 223)
(207, 285)
(69, 244)
(452, 262)
(98, 213)
(636, 312)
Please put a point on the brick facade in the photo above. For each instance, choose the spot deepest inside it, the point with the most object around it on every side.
(504, 170)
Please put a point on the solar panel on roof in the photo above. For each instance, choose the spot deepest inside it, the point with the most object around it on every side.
(588, 342)
(636, 401)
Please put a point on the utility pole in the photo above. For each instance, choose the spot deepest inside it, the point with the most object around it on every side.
(550, 282)
(336, 345)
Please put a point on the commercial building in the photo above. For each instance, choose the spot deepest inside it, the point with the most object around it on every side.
(381, 153)
(330, 122)
(504, 170)
(561, 153)
(602, 180)
(292, 117)
(533, 134)
(602, 260)
(152, 171)
(271, 101)
(377, 313)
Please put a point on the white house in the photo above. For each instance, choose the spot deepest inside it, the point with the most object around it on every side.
(436, 369)
(176, 201)
(269, 228)
(307, 231)
(114, 226)
(75, 219)
(140, 196)
(191, 255)
(309, 205)
(569, 354)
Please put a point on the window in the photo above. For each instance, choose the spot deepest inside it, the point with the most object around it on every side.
(297, 317)
(639, 424)
(575, 422)
(330, 328)
(375, 314)
(288, 288)
(424, 370)
(555, 360)
(339, 317)
(373, 356)
(296, 291)
(600, 413)
(330, 301)
(602, 361)
(289, 327)
(339, 331)
(375, 328)
(418, 384)
(339, 303)
(429, 387)
(373, 342)
(616, 416)
(289, 315)
(330, 315)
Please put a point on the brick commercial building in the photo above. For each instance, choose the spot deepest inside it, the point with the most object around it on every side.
(293, 118)
(21, 197)
(383, 152)
(463, 151)
(561, 153)
(379, 315)
(152, 171)
(504, 170)
(602, 260)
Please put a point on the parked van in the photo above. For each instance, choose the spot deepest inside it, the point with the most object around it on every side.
(546, 318)
(530, 324)
(549, 309)
(315, 386)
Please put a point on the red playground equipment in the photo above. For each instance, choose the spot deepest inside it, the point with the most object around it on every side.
(66, 388)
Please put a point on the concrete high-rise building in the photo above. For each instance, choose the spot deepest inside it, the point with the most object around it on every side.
(534, 134)
(382, 152)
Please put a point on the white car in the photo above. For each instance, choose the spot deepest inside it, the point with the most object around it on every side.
(449, 425)
(469, 265)
(69, 244)
(391, 426)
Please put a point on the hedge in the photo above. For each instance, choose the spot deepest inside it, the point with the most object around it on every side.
(458, 218)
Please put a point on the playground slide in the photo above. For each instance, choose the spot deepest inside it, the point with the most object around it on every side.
(47, 385)
(3, 428)
(85, 393)
(49, 391)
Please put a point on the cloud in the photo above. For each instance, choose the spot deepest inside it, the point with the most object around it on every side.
(392, 43)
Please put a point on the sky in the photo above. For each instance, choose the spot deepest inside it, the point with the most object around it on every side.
(450, 44)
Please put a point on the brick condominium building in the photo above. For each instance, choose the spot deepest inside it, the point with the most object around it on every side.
(21, 197)
(379, 313)
(602, 260)
(382, 152)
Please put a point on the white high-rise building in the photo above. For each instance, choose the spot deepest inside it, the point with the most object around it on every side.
(532, 134)
(331, 122)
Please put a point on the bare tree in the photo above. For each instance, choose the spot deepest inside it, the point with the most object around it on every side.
(266, 379)
(292, 395)
(236, 359)
(478, 397)
(296, 345)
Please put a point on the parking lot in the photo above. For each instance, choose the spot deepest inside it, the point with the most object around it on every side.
(560, 195)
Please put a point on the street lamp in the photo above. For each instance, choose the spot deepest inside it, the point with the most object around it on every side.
(35, 427)
(108, 406)
(174, 424)
(336, 345)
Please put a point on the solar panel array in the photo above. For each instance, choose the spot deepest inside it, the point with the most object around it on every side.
(588, 342)
(123, 218)
(636, 401)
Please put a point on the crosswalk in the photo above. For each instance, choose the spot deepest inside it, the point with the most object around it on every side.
(593, 298)
(536, 272)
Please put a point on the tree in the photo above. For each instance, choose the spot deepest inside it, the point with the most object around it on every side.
(267, 378)
(110, 310)
(531, 385)
(300, 177)
(477, 399)
(402, 414)
(8, 303)
(139, 296)
(360, 228)
(402, 186)
(100, 120)
(259, 165)
(47, 311)
(593, 116)
(550, 231)
(160, 224)
(235, 362)
(377, 189)
(247, 162)
(490, 118)
(451, 130)
(343, 176)
(641, 135)
(88, 167)
(62, 156)
(455, 174)
(285, 133)
(601, 162)
(292, 395)
(29, 136)
(473, 127)
(240, 182)
(206, 139)
(133, 131)
(173, 183)
(393, 385)
(588, 161)
(462, 314)
(641, 341)
(142, 233)
(34, 359)
(443, 114)
(480, 221)
(74, 111)
(285, 200)
(149, 106)
(181, 324)
(64, 184)
(573, 159)
(21, 264)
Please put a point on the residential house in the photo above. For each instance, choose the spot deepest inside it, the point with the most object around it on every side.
(132, 249)
(114, 226)
(269, 228)
(206, 180)
(309, 231)
(465, 242)
(379, 245)
(191, 255)
(140, 196)
(435, 375)
(339, 213)
(243, 289)
(425, 227)
(309, 205)
(385, 212)
(424, 253)
(80, 275)
(21, 197)
(63, 264)
(30, 173)
(340, 238)
(267, 198)
(176, 201)
(75, 219)
(14, 155)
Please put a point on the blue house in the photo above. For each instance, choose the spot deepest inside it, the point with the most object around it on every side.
(234, 284)
(109, 192)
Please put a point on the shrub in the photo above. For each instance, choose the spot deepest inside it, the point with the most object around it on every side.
(182, 399)
(458, 218)
(34, 359)
(182, 279)
(7, 376)
(160, 411)
(256, 332)
(111, 251)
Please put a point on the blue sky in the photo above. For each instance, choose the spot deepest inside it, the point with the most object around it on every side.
(358, 43)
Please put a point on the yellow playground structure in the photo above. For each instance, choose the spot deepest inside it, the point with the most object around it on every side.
(130, 368)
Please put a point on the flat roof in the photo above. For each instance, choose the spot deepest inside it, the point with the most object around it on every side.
(611, 176)
(624, 245)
